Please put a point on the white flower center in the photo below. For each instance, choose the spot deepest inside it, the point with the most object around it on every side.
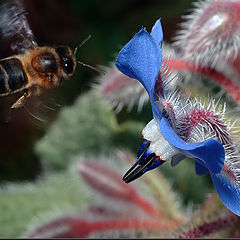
(158, 144)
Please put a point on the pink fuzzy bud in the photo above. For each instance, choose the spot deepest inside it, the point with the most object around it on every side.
(109, 183)
(211, 33)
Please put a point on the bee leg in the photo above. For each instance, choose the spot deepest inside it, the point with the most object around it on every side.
(21, 101)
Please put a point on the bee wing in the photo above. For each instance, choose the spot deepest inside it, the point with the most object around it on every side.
(14, 25)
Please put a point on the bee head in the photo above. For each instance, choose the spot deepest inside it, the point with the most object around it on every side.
(67, 58)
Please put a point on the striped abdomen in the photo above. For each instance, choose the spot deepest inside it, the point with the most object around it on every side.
(12, 76)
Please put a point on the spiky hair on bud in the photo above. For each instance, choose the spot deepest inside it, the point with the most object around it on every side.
(168, 79)
(121, 90)
(211, 32)
(195, 121)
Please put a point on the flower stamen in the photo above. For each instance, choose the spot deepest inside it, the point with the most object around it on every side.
(147, 160)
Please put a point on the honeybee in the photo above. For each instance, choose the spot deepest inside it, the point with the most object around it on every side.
(35, 68)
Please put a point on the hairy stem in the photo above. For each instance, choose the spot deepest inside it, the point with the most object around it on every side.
(223, 81)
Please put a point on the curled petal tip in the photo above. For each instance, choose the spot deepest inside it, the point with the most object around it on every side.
(157, 32)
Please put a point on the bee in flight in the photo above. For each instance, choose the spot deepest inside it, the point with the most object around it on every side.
(35, 68)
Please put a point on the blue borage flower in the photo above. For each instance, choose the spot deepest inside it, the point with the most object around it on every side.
(180, 127)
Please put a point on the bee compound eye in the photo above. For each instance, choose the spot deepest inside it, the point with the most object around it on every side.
(67, 65)
(66, 60)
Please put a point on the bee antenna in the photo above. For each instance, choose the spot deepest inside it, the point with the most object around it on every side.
(84, 64)
(81, 44)
(89, 66)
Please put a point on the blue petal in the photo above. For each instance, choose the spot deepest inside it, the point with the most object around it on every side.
(157, 32)
(228, 191)
(200, 169)
(210, 152)
(176, 159)
(141, 58)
